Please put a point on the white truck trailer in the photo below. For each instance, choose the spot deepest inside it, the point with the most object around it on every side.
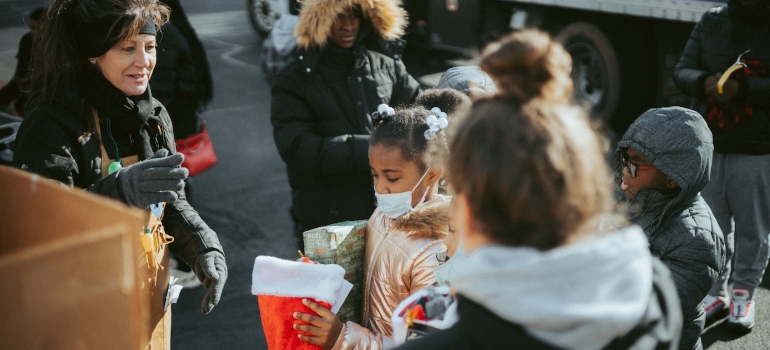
(623, 51)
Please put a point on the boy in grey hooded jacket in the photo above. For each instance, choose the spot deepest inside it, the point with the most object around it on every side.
(665, 161)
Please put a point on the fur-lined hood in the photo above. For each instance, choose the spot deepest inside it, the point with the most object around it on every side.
(316, 17)
(429, 220)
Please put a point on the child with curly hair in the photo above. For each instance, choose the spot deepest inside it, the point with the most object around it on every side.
(403, 234)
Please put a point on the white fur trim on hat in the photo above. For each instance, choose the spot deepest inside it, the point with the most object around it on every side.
(273, 276)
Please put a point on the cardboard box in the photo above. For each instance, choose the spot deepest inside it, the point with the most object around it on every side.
(343, 244)
(69, 271)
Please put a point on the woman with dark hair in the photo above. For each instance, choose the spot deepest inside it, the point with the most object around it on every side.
(93, 124)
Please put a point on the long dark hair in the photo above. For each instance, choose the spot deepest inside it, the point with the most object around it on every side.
(58, 59)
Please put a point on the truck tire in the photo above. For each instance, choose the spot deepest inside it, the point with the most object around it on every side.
(262, 16)
(595, 68)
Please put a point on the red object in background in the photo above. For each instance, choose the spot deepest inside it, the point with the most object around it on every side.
(198, 152)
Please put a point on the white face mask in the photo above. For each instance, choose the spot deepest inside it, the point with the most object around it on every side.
(393, 205)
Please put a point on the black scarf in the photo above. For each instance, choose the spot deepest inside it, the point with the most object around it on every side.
(128, 115)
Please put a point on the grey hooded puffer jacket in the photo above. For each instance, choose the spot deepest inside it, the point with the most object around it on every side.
(681, 229)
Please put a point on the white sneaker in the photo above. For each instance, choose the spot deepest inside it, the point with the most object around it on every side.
(741, 311)
(714, 306)
(186, 279)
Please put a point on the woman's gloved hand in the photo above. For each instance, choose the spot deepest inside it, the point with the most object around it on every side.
(153, 180)
(211, 270)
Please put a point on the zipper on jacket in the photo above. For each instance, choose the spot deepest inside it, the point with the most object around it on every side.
(365, 314)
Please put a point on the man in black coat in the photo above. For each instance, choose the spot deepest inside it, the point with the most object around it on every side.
(737, 111)
(348, 63)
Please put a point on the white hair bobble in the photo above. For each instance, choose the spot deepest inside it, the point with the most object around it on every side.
(384, 109)
(436, 122)
(383, 113)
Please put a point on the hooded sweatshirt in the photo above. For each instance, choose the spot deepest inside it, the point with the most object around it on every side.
(681, 229)
(601, 292)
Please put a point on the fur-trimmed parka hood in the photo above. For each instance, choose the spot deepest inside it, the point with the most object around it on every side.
(316, 17)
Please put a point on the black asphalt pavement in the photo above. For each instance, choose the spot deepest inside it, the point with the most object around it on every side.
(245, 198)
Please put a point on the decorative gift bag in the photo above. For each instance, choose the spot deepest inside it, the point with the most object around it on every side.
(280, 285)
(198, 151)
(429, 310)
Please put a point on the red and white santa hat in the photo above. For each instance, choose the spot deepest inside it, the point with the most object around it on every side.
(280, 285)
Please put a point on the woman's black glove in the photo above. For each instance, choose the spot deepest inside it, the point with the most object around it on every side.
(153, 180)
(211, 270)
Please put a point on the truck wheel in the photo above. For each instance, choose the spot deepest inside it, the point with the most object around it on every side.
(262, 16)
(595, 68)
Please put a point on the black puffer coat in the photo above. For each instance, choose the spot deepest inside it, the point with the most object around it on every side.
(182, 76)
(714, 45)
(321, 114)
(57, 140)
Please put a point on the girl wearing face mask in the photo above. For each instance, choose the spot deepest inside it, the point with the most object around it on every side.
(405, 231)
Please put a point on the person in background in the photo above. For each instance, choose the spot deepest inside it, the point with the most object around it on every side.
(665, 161)
(738, 113)
(14, 92)
(546, 267)
(404, 233)
(470, 80)
(448, 100)
(348, 64)
(182, 79)
(93, 124)
(182, 82)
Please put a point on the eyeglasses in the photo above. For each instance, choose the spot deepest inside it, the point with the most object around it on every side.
(633, 168)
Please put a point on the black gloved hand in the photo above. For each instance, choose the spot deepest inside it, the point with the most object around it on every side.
(211, 270)
(153, 180)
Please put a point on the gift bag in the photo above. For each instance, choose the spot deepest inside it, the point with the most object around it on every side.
(280, 285)
(429, 310)
(198, 151)
(343, 244)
